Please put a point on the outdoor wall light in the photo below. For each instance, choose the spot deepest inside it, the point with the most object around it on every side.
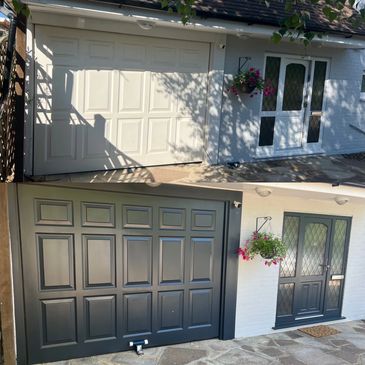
(263, 192)
(340, 200)
(145, 25)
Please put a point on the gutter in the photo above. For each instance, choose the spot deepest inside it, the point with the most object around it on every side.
(130, 14)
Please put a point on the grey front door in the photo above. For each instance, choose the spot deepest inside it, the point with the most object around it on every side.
(103, 268)
(313, 272)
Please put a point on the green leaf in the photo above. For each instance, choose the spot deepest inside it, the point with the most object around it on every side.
(276, 37)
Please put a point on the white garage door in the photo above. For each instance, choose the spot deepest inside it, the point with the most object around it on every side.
(106, 100)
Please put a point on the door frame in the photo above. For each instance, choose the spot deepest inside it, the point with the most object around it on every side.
(345, 259)
(231, 241)
(306, 148)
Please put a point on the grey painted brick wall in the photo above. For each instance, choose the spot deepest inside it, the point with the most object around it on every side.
(240, 117)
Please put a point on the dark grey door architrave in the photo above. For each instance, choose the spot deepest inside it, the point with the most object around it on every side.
(312, 275)
(103, 268)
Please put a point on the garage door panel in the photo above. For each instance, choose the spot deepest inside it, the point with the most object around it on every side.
(96, 138)
(171, 260)
(53, 212)
(159, 135)
(97, 214)
(128, 267)
(137, 314)
(137, 216)
(100, 318)
(59, 321)
(203, 220)
(202, 259)
(96, 89)
(172, 218)
(56, 261)
(99, 261)
(170, 311)
(131, 96)
(130, 135)
(60, 140)
(200, 307)
(137, 260)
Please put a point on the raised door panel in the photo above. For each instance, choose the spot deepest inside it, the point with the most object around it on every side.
(170, 311)
(99, 261)
(56, 261)
(100, 318)
(171, 261)
(137, 260)
(137, 314)
(58, 322)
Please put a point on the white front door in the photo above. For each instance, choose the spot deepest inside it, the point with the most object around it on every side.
(291, 104)
(107, 100)
(290, 114)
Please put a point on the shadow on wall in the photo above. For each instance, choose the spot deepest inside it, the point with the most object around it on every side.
(159, 116)
(240, 127)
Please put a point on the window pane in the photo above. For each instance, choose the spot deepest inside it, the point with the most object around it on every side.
(319, 79)
(314, 129)
(338, 249)
(272, 71)
(285, 300)
(267, 131)
(293, 87)
(314, 246)
(290, 238)
(363, 84)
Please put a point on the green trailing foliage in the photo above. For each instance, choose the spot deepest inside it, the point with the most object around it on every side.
(293, 26)
(20, 8)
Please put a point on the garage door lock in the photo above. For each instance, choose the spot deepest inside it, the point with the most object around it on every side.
(138, 345)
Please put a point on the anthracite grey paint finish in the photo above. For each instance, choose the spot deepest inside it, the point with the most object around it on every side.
(312, 287)
(156, 274)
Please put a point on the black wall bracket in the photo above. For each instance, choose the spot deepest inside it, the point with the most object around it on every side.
(264, 220)
(242, 61)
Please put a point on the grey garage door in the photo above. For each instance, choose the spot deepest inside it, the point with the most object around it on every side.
(103, 268)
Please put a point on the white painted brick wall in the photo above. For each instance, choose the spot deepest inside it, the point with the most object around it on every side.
(257, 284)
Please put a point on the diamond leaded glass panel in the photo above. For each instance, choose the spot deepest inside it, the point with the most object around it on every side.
(293, 87)
(272, 71)
(290, 238)
(338, 247)
(333, 294)
(285, 299)
(314, 247)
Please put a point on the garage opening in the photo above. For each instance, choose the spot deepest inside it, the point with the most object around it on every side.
(102, 269)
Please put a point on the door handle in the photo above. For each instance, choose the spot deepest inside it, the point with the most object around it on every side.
(325, 266)
(337, 277)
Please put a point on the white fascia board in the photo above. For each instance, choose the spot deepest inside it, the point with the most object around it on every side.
(132, 14)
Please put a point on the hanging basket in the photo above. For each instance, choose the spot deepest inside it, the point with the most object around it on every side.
(246, 89)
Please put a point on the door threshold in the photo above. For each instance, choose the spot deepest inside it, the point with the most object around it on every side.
(305, 322)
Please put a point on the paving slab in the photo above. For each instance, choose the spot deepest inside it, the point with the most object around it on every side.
(284, 348)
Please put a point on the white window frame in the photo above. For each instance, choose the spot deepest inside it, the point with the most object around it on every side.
(362, 92)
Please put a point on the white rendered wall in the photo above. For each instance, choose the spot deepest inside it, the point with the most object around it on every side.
(257, 284)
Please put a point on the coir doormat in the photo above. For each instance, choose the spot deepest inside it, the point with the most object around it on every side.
(319, 331)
